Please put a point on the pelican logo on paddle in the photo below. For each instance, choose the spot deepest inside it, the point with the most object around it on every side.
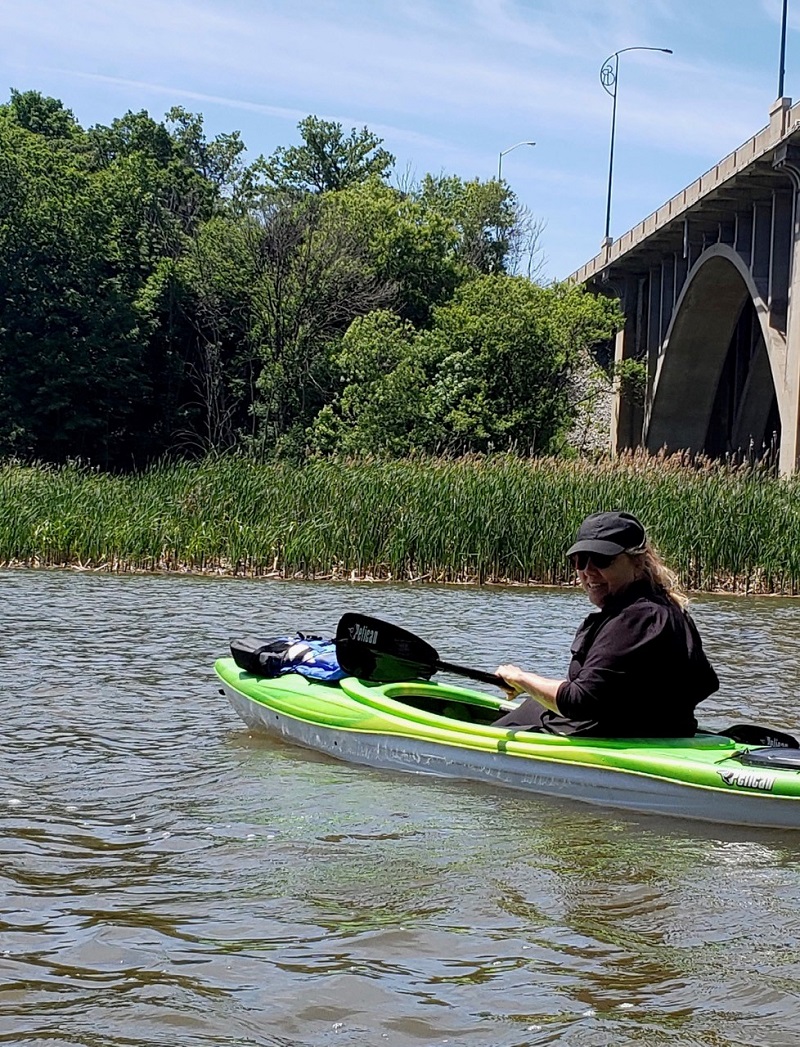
(363, 634)
(748, 780)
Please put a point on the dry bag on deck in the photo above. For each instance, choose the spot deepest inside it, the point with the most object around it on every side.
(308, 655)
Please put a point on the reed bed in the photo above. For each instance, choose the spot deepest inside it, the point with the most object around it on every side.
(496, 519)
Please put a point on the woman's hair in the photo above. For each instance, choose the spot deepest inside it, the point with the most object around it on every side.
(653, 568)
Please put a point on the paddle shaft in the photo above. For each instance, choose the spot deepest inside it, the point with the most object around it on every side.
(471, 674)
(479, 674)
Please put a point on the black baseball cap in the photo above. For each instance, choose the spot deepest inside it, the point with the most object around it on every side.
(609, 534)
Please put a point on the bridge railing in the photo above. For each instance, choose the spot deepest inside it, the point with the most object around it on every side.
(742, 157)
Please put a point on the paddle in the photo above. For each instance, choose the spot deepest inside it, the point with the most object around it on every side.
(752, 734)
(372, 649)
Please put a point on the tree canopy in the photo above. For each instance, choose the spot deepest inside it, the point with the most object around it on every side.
(492, 373)
(161, 294)
(326, 160)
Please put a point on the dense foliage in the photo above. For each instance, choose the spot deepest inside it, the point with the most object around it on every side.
(159, 294)
(496, 518)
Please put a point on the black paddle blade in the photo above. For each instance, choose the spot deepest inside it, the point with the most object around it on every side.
(375, 650)
(752, 734)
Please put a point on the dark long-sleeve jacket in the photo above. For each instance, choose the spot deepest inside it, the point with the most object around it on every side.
(638, 669)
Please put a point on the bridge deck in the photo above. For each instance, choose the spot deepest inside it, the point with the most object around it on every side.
(747, 171)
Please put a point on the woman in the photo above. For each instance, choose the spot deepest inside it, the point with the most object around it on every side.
(638, 668)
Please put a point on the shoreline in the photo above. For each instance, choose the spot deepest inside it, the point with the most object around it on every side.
(352, 577)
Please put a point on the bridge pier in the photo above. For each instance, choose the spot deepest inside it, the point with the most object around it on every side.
(626, 410)
(789, 393)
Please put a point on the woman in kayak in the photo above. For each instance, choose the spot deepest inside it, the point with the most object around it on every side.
(638, 667)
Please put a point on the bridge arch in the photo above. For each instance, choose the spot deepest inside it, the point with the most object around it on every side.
(714, 386)
(741, 220)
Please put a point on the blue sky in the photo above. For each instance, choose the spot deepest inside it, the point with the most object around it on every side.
(447, 84)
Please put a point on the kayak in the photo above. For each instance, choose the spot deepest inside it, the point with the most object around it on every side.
(432, 728)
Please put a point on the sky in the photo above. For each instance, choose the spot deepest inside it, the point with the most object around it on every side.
(447, 84)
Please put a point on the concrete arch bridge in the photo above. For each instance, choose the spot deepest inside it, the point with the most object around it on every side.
(710, 288)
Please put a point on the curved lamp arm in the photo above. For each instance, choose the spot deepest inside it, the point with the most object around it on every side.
(503, 152)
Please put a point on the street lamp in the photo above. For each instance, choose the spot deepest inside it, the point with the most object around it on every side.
(510, 149)
(609, 75)
(782, 70)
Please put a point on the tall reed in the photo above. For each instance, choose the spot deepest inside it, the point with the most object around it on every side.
(483, 519)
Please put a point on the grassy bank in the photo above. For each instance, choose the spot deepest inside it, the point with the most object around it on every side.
(500, 519)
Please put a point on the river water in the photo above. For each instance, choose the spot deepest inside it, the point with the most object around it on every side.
(170, 879)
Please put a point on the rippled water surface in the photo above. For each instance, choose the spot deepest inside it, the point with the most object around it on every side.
(167, 878)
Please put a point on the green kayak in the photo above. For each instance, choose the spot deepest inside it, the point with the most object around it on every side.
(432, 728)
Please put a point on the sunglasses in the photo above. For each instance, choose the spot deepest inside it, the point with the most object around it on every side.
(580, 561)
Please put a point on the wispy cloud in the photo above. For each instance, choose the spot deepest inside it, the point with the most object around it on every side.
(172, 93)
(446, 84)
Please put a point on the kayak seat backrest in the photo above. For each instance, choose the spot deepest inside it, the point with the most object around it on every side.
(776, 756)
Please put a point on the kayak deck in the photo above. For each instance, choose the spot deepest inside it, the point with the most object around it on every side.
(441, 729)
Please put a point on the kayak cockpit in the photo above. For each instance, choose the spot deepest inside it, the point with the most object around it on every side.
(474, 711)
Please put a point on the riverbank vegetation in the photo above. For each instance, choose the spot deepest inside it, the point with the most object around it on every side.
(303, 366)
(483, 519)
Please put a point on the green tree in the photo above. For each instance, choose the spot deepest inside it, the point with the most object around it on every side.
(327, 159)
(505, 352)
(310, 276)
(132, 134)
(493, 373)
(96, 358)
(69, 333)
(158, 293)
(183, 196)
(433, 238)
(208, 295)
(406, 245)
(42, 115)
(380, 410)
(218, 162)
(485, 216)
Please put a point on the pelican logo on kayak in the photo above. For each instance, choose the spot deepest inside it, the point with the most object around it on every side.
(362, 634)
(748, 780)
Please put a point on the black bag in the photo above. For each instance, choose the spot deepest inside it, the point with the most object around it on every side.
(265, 657)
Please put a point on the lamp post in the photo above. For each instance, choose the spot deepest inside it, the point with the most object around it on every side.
(782, 70)
(510, 149)
(609, 75)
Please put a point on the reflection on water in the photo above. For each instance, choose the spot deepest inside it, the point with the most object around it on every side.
(167, 878)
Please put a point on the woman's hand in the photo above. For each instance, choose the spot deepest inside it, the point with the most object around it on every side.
(512, 676)
(518, 681)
